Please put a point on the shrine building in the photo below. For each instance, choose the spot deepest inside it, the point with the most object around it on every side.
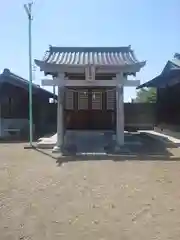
(90, 82)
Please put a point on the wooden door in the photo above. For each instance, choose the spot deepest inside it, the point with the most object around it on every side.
(90, 111)
(102, 110)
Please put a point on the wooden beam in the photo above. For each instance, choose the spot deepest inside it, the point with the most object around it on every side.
(132, 83)
(72, 68)
(96, 83)
(84, 83)
(52, 82)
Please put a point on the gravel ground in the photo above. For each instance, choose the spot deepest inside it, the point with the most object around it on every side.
(42, 197)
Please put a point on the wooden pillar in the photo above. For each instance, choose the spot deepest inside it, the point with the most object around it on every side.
(120, 115)
(119, 112)
(54, 94)
(60, 120)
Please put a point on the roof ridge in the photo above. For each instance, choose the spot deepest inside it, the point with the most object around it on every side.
(17, 76)
(7, 72)
(90, 49)
(177, 56)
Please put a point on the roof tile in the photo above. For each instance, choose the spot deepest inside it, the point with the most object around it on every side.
(90, 55)
(8, 77)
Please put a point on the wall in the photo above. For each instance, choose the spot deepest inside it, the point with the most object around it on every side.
(168, 105)
(141, 115)
(11, 124)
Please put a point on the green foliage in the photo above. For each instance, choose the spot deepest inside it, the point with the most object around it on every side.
(146, 95)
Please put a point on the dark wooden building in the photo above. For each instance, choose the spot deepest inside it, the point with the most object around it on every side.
(14, 106)
(168, 93)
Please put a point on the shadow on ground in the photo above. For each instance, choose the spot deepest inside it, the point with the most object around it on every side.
(150, 149)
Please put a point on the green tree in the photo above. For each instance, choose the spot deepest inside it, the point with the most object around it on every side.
(146, 95)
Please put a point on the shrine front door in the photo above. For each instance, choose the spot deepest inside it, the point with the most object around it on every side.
(90, 111)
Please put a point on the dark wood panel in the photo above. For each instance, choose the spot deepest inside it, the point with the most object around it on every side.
(101, 120)
(76, 119)
(90, 119)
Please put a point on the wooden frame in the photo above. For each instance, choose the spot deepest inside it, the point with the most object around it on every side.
(84, 83)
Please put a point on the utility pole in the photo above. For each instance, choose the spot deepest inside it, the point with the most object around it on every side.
(28, 9)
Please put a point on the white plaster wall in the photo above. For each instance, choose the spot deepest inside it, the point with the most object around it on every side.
(13, 124)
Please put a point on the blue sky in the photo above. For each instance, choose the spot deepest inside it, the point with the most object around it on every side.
(151, 27)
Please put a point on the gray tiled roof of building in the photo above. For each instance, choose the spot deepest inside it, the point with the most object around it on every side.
(90, 55)
(8, 77)
(176, 59)
(169, 75)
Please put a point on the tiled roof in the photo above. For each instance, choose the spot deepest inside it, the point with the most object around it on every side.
(176, 59)
(8, 77)
(90, 56)
(169, 76)
(177, 56)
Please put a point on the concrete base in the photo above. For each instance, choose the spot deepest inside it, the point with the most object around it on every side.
(163, 137)
(57, 149)
(47, 143)
(28, 146)
(71, 148)
(119, 149)
(44, 145)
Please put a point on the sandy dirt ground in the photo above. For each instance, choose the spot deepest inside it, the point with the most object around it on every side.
(128, 198)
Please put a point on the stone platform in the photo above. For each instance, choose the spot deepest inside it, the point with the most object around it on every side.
(82, 142)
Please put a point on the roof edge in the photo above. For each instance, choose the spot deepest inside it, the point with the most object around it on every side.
(41, 63)
(20, 80)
